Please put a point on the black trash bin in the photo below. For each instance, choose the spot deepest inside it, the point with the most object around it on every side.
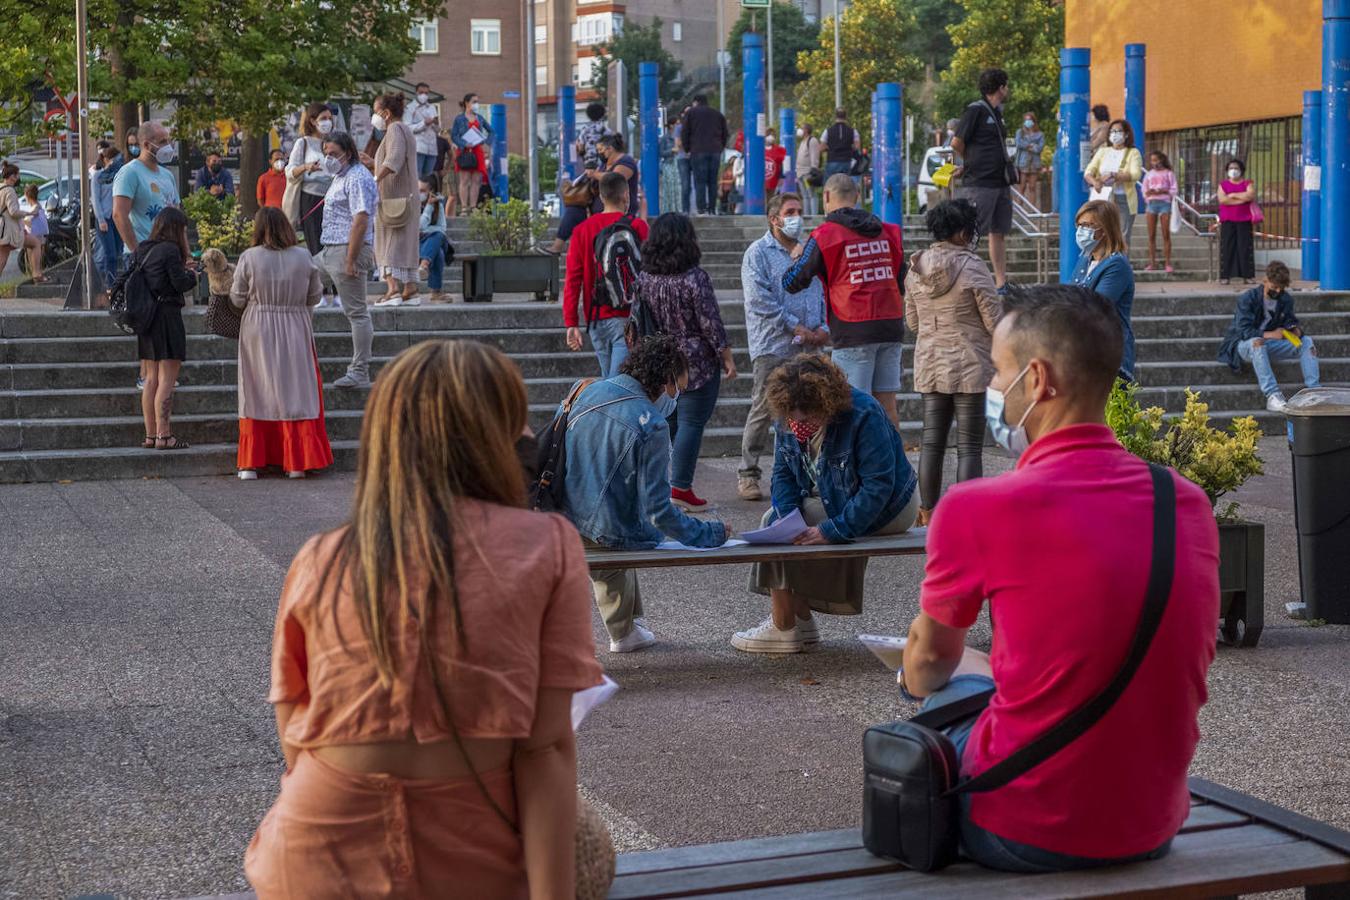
(1320, 421)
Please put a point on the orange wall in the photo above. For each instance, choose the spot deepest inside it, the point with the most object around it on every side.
(1209, 61)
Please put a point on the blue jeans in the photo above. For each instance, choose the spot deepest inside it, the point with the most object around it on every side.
(426, 164)
(433, 251)
(686, 181)
(692, 412)
(1261, 356)
(704, 168)
(838, 168)
(987, 848)
(610, 348)
(109, 256)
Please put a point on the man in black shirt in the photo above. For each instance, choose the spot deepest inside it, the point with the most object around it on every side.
(841, 140)
(980, 142)
(703, 135)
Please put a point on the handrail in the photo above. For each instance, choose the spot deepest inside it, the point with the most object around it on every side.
(1035, 225)
(1183, 207)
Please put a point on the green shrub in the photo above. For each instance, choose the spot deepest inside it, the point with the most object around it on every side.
(507, 229)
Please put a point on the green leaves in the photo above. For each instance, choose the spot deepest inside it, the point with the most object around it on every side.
(1022, 37)
(637, 44)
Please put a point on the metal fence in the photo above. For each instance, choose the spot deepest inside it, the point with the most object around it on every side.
(1271, 149)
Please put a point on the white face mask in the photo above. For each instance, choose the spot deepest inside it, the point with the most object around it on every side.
(331, 165)
(1010, 438)
(473, 107)
(422, 195)
(1117, 138)
(377, 122)
(1085, 236)
(325, 126)
(792, 226)
(1234, 174)
(166, 154)
(421, 98)
(1028, 124)
(279, 164)
(800, 133)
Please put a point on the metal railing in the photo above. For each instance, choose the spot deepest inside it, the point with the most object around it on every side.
(1209, 220)
(1037, 226)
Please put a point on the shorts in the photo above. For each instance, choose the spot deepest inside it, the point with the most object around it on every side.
(994, 206)
(871, 368)
(1159, 208)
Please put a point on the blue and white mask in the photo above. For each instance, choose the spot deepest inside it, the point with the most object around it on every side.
(665, 404)
(1011, 438)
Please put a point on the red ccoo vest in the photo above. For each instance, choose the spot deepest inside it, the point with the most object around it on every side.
(861, 273)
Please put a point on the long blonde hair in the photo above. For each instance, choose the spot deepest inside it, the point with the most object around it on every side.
(440, 425)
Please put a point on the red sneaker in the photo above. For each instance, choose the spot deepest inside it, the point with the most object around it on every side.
(685, 498)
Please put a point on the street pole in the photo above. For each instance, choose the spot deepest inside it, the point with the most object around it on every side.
(82, 88)
(1311, 230)
(1335, 250)
(753, 121)
(721, 57)
(838, 74)
(768, 75)
(1071, 155)
(649, 116)
(531, 108)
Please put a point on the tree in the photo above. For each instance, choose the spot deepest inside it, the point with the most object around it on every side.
(932, 42)
(637, 44)
(1022, 37)
(792, 36)
(873, 34)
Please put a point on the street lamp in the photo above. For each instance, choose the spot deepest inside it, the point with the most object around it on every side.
(838, 75)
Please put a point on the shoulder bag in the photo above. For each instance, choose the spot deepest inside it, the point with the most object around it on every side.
(911, 788)
(581, 193)
(1010, 173)
(395, 212)
(222, 317)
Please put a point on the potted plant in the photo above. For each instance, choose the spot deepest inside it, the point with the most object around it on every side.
(1218, 461)
(509, 263)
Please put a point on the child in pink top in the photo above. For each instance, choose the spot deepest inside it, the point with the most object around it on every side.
(1160, 189)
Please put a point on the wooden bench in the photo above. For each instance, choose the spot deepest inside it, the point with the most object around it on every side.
(1231, 843)
(911, 543)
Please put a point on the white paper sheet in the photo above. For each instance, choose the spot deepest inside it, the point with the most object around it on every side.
(1102, 193)
(782, 531)
(888, 648)
(676, 545)
(472, 138)
(583, 702)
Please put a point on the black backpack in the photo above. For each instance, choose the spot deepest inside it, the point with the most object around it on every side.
(618, 259)
(131, 303)
(546, 492)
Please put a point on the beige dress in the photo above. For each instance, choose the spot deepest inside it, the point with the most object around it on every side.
(11, 218)
(952, 306)
(276, 289)
(396, 248)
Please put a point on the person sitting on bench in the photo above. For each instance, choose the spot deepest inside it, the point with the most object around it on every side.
(617, 485)
(1061, 547)
(839, 461)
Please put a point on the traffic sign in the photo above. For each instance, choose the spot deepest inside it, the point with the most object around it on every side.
(511, 95)
(755, 4)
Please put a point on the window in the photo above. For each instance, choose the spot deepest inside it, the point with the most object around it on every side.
(586, 71)
(541, 76)
(596, 29)
(676, 32)
(485, 37)
(541, 34)
(427, 34)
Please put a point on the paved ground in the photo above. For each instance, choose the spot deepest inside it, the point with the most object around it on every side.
(137, 753)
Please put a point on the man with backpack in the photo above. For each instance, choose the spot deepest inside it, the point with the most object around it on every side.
(603, 260)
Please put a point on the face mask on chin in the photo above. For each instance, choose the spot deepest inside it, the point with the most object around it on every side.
(665, 404)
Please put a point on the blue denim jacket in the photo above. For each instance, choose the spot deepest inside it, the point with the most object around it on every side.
(617, 486)
(863, 476)
(1113, 279)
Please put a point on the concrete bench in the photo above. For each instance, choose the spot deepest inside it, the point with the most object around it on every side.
(911, 543)
(1230, 844)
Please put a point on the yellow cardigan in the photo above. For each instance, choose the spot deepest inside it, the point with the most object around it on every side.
(1134, 170)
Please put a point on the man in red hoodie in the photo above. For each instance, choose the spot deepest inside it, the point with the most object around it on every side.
(861, 262)
(604, 323)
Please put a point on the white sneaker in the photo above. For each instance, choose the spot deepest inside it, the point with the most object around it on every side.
(248, 475)
(1276, 402)
(637, 639)
(766, 638)
(295, 474)
(809, 633)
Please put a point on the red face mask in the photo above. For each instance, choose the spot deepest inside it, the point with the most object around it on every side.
(803, 430)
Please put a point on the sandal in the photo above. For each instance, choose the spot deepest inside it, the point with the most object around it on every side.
(149, 443)
(170, 442)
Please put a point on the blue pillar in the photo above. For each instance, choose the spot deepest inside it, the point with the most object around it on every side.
(1071, 157)
(1334, 265)
(498, 167)
(872, 148)
(753, 122)
(787, 136)
(1312, 189)
(886, 144)
(1134, 92)
(649, 115)
(568, 165)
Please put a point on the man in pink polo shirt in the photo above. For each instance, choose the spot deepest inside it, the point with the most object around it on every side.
(1061, 548)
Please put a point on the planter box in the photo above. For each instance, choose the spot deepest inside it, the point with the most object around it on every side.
(1242, 582)
(535, 273)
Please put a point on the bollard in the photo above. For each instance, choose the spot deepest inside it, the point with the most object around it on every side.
(1134, 91)
(872, 151)
(499, 165)
(886, 142)
(753, 123)
(568, 164)
(1334, 260)
(1074, 149)
(1312, 185)
(649, 114)
(787, 136)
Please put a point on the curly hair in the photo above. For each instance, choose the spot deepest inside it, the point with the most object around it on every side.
(953, 218)
(672, 246)
(809, 384)
(655, 362)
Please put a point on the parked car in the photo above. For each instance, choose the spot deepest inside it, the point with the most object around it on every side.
(69, 186)
(935, 158)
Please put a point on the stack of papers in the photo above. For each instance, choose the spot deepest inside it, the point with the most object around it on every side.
(583, 702)
(783, 531)
(676, 545)
(888, 648)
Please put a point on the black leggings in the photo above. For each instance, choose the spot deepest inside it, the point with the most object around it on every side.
(937, 422)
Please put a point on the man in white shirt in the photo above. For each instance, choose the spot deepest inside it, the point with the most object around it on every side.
(422, 118)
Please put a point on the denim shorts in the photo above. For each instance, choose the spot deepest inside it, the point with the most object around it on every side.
(1159, 208)
(871, 368)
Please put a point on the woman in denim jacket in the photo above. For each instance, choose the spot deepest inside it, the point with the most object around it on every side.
(838, 460)
(617, 484)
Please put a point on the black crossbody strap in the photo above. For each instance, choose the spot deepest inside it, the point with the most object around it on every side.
(1078, 722)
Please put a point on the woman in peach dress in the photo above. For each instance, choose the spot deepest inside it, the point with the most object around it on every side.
(425, 657)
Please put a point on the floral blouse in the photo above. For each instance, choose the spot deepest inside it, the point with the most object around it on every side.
(685, 306)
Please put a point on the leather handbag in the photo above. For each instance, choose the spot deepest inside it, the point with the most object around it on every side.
(912, 788)
(581, 193)
(222, 317)
(395, 212)
(466, 160)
